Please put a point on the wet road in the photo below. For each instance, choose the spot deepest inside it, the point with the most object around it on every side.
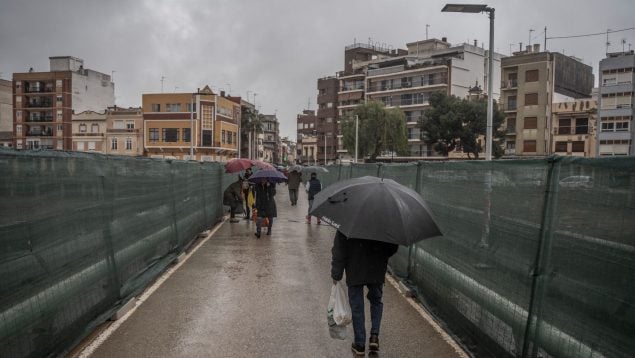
(238, 296)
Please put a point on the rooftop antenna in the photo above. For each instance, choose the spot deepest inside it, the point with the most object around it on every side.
(229, 85)
(530, 31)
(510, 49)
(623, 44)
(427, 26)
(162, 79)
(607, 41)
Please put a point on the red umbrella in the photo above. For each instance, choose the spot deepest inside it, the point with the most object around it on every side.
(262, 165)
(237, 165)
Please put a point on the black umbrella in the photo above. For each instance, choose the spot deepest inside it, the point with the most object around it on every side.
(376, 209)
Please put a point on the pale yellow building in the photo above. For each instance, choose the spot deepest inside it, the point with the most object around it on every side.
(124, 131)
(170, 118)
(575, 128)
(89, 132)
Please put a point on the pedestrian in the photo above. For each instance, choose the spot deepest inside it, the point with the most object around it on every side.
(365, 263)
(313, 186)
(295, 178)
(232, 197)
(265, 205)
(247, 188)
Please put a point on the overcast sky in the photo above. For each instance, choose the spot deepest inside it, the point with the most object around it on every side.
(276, 48)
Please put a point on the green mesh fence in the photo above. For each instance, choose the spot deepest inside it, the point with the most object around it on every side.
(537, 257)
(80, 234)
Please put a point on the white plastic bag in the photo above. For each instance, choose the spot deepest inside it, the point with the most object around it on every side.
(338, 313)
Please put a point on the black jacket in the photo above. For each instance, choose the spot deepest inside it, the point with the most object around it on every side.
(314, 187)
(365, 261)
(265, 201)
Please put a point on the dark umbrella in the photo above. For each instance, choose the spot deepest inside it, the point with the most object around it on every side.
(376, 209)
(237, 165)
(271, 175)
(311, 169)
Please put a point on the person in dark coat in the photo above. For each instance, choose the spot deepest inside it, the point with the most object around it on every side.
(365, 263)
(313, 186)
(295, 178)
(247, 187)
(232, 197)
(265, 204)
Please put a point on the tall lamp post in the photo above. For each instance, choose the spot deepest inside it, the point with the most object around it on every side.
(473, 8)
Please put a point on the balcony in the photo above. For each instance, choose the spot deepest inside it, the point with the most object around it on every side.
(509, 84)
(39, 90)
(40, 119)
(40, 104)
(511, 107)
(404, 85)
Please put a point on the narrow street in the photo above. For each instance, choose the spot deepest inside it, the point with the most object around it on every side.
(238, 296)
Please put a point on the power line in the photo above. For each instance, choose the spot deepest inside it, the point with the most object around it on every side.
(589, 35)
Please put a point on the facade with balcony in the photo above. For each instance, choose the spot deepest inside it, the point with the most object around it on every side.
(531, 82)
(574, 128)
(271, 138)
(89, 132)
(616, 92)
(204, 123)
(44, 102)
(327, 118)
(6, 113)
(305, 134)
(124, 131)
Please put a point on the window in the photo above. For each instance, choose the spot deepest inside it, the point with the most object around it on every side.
(94, 128)
(80, 145)
(58, 83)
(113, 144)
(156, 107)
(118, 125)
(18, 115)
(59, 99)
(230, 137)
(510, 145)
(512, 80)
(564, 126)
(128, 143)
(82, 128)
(60, 127)
(511, 103)
(186, 134)
(531, 76)
(173, 107)
(91, 145)
(561, 147)
(189, 107)
(577, 147)
(621, 126)
(530, 123)
(170, 135)
(222, 138)
(130, 125)
(207, 138)
(608, 127)
(531, 99)
(153, 134)
(18, 129)
(60, 115)
(529, 146)
(581, 126)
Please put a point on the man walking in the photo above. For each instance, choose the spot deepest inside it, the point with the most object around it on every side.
(365, 263)
(295, 178)
(313, 186)
(265, 205)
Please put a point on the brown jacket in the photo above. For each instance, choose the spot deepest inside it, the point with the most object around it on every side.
(295, 178)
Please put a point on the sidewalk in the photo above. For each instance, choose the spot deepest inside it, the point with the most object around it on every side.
(238, 296)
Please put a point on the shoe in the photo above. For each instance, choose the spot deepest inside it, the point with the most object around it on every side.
(373, 343)
(233, 220)
(358, 350)
(257, 235)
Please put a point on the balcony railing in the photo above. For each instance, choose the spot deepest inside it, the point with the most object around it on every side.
(378, 87)
(40, 104)
(511, 106)
(40, 119)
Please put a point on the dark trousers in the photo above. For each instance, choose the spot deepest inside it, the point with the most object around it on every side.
(247, 208)
(293, 195)
(259, 222)
(232, 212)
(356, 300)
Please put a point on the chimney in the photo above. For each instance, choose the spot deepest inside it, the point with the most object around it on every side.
(222, 93)
(475, 43)
(444, 39)
(536, 47)
(528, 48)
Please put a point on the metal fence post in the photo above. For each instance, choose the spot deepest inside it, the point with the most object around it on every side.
(543, 255)
(411, 248)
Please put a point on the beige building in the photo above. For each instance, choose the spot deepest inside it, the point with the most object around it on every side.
(530, 82)
(6, 113)
(124, 131)
(89, 132)
(575, 128)
(171, 118)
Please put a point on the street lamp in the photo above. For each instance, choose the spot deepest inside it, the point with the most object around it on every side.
(473, 8)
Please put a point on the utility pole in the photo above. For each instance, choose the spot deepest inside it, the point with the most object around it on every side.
(545, 38)
(251, 132)
(356, 135)
(427, 26)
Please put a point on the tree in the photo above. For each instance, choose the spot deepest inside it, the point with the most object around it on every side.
(380, 130)
(454, 123)
(250, 122)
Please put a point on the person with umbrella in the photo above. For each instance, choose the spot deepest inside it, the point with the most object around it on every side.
(295, 178)
(265, 205)
(247, 188)
(372, 216)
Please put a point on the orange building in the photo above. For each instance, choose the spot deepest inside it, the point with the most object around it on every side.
(169, 119)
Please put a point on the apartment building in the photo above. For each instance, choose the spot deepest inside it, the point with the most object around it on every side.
(6, 113)
(89, 132)
(574, 128)
(616, 91)
(306, 150)
(124, 131)
(44, 102)
(204, 123)
(326, 129)
(270, 138)
(531, 82)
